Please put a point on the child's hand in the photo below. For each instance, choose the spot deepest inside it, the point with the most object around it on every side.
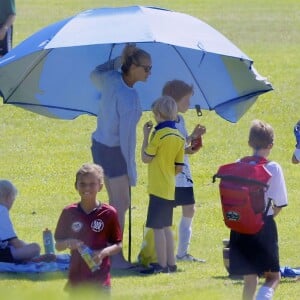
(73, 244)
(198, 131)
(297, 134)
(98, 256)
(147, 128)
(191, 150)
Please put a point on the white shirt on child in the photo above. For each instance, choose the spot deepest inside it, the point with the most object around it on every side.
(7, 231)
(184, 178)
(277, 188)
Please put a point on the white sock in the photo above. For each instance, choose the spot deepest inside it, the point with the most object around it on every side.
(184, 238)
(265, 293)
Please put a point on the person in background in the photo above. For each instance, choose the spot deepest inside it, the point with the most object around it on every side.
(296, 153)
(7, 18)
(12, 249)
(255, 255)
(181, 92)
(164, 154)
(92, 223)
(114, 140)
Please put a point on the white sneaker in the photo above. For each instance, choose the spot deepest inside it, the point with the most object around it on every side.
(189, 257)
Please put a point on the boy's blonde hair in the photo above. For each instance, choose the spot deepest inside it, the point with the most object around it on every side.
(261, 135)
(166, 107)
(177, 89)
(90, 168)
(7, 189)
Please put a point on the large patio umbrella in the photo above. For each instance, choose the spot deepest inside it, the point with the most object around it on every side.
(48, 73)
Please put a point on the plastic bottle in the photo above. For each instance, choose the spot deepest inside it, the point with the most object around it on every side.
(48, 241)
(226, 254)
(86, 254)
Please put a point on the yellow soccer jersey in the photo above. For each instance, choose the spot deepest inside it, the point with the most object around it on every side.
(166, 146)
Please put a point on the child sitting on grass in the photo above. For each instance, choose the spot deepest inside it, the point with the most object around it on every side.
(12, 249)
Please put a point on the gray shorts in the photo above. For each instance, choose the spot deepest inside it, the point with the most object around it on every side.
(160, 213)
(110, 159)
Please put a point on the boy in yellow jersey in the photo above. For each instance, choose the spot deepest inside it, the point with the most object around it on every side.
(164, 154)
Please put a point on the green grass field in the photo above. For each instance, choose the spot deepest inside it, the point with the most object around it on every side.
(41, 155)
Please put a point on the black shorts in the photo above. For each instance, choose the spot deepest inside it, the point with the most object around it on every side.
(184, 196)
(255, 254)
(5, 255)
(110, 159)
(160, 213)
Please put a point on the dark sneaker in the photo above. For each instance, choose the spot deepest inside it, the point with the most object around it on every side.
(172, 269)
(189, 257)
(155, 269)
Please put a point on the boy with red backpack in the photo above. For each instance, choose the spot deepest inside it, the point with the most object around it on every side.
(257, 254)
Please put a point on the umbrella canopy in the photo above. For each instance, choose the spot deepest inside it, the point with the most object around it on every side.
(48, 73)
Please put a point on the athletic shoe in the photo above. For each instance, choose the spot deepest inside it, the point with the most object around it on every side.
(172, 269)
(189, 257)
(155, 269)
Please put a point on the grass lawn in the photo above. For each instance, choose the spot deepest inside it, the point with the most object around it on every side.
(41, 155)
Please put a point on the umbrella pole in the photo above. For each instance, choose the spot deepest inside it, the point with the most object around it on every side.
(129, 227)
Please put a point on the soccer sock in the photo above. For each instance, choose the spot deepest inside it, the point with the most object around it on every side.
(185, 233)
(265, 293)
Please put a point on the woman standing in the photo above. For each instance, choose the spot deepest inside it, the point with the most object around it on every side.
(114, 140)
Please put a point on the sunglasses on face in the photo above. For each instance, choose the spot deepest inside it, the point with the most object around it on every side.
(147, 69)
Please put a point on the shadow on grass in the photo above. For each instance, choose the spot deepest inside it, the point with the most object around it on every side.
(235, 279)
(134, 272)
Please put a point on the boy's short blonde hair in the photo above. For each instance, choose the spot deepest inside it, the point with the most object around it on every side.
(166, 107)
(7, 189)
(177, 89)
(261, 135)
(90, 168)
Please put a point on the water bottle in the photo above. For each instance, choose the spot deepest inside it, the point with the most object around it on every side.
(48, 241)
(86, 253)
(226, 254)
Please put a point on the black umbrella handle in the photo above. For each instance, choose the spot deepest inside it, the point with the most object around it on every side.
(198, 110)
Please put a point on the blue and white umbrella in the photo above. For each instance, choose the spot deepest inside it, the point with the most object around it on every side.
(48, 73)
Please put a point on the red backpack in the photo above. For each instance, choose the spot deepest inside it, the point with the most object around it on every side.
(242, 192)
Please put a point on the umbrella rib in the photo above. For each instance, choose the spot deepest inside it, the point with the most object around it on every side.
(250, 95)
(195, 79)
(54, 107)
(27, 72)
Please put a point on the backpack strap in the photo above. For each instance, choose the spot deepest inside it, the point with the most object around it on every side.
(238, 178)
(268, 206)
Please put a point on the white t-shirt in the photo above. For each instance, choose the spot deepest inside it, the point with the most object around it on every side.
(183, 179)
(7, 231)
(277, 188)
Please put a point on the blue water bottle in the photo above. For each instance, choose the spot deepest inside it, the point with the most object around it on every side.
(48, 241)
